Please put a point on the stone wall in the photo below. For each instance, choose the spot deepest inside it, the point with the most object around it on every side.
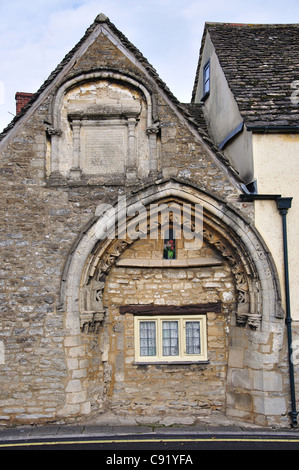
(161, 392)
(49, 368)
(40, 222)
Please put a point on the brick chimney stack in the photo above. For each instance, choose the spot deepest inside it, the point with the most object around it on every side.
(22, 99)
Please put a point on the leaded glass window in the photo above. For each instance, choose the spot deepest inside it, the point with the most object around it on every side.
(147, 338)
(192, 337)
(170, 338)
(166, 338)
(206, 79)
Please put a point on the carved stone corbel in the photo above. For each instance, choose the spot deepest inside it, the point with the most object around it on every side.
(50, 130)
(153, 129)
(90, 322)
(92, 313)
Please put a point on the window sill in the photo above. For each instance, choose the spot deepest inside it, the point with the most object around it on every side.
(205, 96)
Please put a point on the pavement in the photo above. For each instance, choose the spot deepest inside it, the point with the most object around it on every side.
(110, 429)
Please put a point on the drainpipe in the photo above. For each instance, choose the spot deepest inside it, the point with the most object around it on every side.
(283, 204)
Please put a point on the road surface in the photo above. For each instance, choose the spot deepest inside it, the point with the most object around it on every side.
(148, 451)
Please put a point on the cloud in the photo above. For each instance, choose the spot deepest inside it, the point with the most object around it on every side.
(35, 36)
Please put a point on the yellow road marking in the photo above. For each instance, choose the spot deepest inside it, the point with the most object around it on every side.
(125, 441)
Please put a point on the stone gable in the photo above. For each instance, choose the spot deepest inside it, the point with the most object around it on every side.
(103, 126)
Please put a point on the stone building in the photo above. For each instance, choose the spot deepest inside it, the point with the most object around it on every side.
(135, 281)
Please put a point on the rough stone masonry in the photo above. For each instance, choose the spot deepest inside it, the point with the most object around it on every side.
(102, 126)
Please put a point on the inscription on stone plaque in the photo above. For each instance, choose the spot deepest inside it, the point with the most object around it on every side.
(104, 150)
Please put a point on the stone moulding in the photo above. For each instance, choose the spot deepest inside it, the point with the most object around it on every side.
(91, 321)
(169, 263)
(226, 229)
(98, 114)
(236, 241)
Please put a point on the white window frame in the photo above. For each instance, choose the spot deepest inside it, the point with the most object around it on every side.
(182, 357)
(206, 79)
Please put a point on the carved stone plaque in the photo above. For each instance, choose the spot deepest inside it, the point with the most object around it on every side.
(104, 149)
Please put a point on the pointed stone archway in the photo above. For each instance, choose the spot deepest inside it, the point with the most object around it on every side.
(257, 306)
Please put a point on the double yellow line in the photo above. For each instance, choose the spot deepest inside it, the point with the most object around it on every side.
(166, 440)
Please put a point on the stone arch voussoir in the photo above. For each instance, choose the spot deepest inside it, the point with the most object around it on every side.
(224, 229)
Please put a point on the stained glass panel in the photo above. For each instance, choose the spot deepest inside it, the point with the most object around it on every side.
(169, 244)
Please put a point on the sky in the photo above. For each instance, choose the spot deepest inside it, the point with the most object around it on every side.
(35, 35)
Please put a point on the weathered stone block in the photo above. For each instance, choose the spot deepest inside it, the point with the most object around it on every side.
(268, 381)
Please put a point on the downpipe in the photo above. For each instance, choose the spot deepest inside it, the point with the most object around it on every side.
(283, 205)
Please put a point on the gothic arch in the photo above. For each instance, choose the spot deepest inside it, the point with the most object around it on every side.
(236, 240)
(73, 122)
(98, 75)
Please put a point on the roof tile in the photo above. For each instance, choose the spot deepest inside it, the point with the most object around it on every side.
(260, 63)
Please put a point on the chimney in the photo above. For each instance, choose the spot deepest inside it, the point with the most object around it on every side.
(22, 99)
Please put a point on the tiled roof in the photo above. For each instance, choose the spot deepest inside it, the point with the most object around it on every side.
(261, 64)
